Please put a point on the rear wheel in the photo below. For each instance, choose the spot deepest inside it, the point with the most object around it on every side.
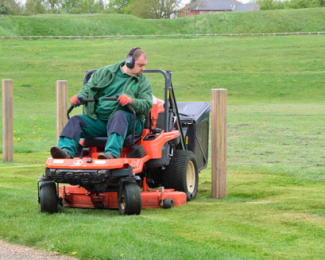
(182, 174)
(48, 197)
(130, 203)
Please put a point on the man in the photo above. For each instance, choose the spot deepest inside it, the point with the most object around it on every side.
(109, 118)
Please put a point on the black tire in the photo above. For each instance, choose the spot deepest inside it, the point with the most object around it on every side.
(131, 202)
(182, 174)
(168, 203)
(48, 197)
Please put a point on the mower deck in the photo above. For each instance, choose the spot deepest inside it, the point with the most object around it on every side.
(76, 197)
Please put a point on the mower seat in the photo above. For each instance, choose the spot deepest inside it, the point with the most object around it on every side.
(100, 142)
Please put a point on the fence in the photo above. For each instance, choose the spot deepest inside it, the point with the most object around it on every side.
(156, 36)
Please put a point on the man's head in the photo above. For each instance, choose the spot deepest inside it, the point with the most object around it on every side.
(136, 60)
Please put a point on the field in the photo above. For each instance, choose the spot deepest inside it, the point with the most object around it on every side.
(275, 207)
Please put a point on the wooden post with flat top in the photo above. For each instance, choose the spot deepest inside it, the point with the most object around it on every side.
(7, 121)
(61, 106)
(219, 143)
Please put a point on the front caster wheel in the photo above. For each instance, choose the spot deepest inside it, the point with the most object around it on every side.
(168, 203)
(48, 197)
(130, 202)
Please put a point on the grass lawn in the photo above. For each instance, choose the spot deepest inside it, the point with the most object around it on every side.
(275, 207)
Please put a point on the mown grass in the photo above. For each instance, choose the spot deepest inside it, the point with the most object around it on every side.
(293, 20)
(265, 216)
(275, 203)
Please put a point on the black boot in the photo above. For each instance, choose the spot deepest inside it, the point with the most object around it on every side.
(57, 153)
(105, 156)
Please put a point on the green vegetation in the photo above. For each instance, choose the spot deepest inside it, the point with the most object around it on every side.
(301, 20)
(275, 203)
(289, 4)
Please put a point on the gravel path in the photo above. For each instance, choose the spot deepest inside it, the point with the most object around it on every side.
(17, 252)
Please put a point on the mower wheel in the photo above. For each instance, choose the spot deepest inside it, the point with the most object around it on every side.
(48, 197)
(131, 202)
(168, 203)
(182, 174)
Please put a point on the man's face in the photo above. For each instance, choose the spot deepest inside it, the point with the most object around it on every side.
(139, 65)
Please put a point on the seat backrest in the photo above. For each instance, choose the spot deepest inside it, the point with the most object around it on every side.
(88, 75)
(100, 142)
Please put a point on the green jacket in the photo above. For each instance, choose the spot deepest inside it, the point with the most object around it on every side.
(137, 87)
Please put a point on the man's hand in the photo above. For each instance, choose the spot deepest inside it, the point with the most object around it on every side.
(124, 100)
(75, 101)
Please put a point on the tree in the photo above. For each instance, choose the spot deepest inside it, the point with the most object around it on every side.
(154, 9)
(119, 6)
(36, 6)
(297, 4)
(53, 4)
(90, 6)
(4, 9)
(10, 7)
(73, 6)
(267, 4)
(101, 5)
(289, 4)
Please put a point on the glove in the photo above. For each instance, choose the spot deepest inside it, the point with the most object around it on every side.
(124, 100)
(76, 100)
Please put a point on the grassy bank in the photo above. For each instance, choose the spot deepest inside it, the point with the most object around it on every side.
(86, 24)
(307, 20)
(298, 20)
(275, 203)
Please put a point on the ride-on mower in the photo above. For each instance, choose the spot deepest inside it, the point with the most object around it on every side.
(170, 152)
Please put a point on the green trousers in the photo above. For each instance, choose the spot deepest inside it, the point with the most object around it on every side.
(98, 128)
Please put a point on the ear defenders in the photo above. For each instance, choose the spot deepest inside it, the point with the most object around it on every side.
(129, 61)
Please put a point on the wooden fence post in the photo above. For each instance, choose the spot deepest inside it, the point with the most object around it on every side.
(219, 143)
(61, 106)
(7, 121)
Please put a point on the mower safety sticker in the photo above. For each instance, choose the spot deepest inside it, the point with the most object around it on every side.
(100, 162)
(58, 161)
(78, 162)
(135, 163)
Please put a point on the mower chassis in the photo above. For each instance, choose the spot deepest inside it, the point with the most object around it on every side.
(76, 197)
